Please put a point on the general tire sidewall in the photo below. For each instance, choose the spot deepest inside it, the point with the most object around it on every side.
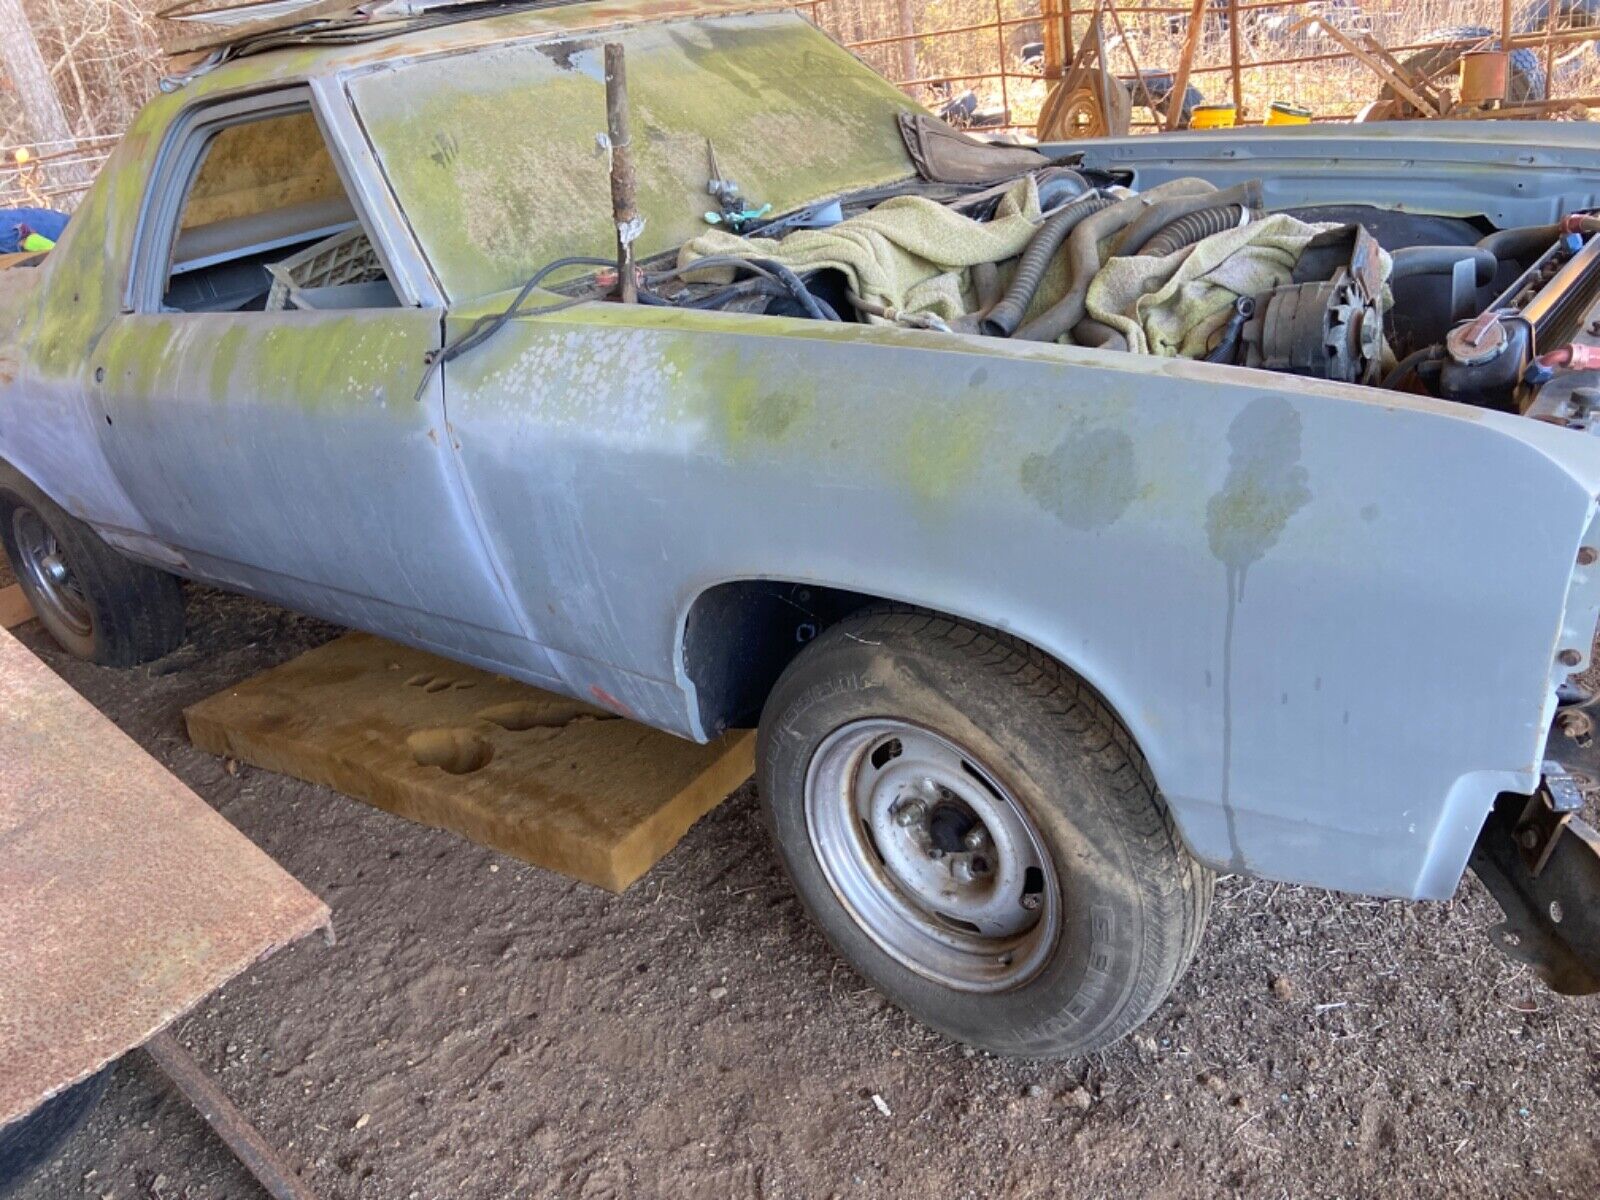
(1085, 984)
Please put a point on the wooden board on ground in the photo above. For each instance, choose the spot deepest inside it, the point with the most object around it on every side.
(14, 607)
(552, 781)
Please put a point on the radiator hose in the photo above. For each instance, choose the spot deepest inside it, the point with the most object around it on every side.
(1003, 319)
(1522, 242)
(1441, 260)
(1159, 216)
(1166, 202)
(1186, 231)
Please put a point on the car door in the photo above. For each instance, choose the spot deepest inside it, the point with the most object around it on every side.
(267, 403)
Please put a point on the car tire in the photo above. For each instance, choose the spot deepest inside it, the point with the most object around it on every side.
(895, 735)
(28, 1144)
(97, 604)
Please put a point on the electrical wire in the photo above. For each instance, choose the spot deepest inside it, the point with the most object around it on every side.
(486, 326)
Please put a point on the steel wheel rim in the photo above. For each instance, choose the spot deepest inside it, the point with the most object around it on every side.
(43, 565)
(937, 863)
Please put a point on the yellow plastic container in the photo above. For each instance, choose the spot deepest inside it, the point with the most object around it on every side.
(1213, 116)
(1281, 112)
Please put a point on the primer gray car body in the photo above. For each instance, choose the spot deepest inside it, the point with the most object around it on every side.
(1332, 617)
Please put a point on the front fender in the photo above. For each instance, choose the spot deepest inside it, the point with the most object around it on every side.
(1328, 614)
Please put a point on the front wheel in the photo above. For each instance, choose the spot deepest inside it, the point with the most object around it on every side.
(977, 834)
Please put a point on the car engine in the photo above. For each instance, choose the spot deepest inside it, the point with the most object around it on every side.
(1437, 305)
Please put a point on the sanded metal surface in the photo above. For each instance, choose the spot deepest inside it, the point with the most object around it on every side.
(555, 782)
(124, 897)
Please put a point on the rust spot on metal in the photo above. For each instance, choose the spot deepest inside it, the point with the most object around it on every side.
(124, 898)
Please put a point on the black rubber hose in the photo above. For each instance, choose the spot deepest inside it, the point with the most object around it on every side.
(1526, 241)
(1441, 260)
(1186, 231)
(1159, 216)
(1083, 251)
(986, 283)
(1099, 335)
(758, 286)
(1227, 348)
(1408, 364)
(814, 308)
(1003, 319)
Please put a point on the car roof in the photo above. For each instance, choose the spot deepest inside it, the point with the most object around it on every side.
(357, 31)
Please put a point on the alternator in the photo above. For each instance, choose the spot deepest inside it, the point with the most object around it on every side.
(1326, 330)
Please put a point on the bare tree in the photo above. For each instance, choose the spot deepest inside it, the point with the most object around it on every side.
(36, 92)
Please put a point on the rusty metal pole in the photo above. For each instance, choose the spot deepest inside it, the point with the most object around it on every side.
(246, 1142)
(624, 207)
(1233, 60)
(1180, 83)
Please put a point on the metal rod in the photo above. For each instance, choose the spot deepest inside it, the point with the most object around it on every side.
(246, 1142)
(624, 208)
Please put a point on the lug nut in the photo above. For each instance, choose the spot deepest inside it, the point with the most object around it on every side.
(1030, 901)
(977, 838)
(909, 812)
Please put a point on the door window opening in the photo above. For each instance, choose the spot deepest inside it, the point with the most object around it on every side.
(267, 226)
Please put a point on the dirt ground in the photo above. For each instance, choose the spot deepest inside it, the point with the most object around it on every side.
(483, 1029)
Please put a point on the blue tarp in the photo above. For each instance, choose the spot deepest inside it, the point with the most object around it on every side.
(16, 223)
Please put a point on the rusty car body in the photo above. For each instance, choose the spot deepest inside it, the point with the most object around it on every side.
(1334, 620)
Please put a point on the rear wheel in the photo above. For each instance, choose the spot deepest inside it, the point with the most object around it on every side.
(96, 603)
(977, 834)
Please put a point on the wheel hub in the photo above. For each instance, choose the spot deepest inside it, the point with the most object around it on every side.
(41, 565)
(936, 862)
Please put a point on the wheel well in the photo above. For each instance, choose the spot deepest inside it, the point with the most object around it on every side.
(740, 636)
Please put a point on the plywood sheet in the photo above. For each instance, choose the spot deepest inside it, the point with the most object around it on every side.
(552, 781)
(124, 897)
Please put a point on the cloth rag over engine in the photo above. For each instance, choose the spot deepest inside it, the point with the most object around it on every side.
(911, 255)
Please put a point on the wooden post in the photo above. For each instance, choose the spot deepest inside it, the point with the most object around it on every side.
(1056, 37)
(1180, 83)
(1233, 60)
(624, 207)
(907, 45)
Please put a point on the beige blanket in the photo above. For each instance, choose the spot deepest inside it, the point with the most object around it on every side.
(909, 253)
(1172, 306)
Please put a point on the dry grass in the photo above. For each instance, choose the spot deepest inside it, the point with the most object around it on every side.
(106, 62)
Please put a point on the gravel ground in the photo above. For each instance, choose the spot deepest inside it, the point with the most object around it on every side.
(484, 1029)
